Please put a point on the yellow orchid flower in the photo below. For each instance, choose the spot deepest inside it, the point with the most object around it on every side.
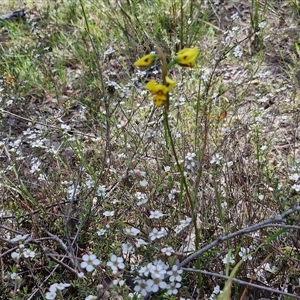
(146, 60)
(187, 57)
(159, 100)
(160, 91)
(170, 83)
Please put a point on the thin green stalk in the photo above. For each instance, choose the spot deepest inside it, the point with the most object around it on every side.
(196, 139)
(106, 97)
(184, 183)
(180, 168)
(181, 24)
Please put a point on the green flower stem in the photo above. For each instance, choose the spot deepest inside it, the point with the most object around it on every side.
(180, 168)
(171, 64)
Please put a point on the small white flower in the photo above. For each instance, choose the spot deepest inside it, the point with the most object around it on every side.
(109, 213)
(175, 274)
(156, 214)
(15, 255)
(118, 282)
(143, 183)
(157, 270)
(173, 288)
(91, 297)
(237, 51)
(19, 237)
(294, 177)
(153, 285)
(35, 165)
(262, 24)
(261, 197)
(150, 286)
(110, 50)
(80, 275)
(227, 259)
(296, 187)
(190, 161)
(132, 231)
(50, 295)
(53, 288)
(235, 16)
(269, 268)
(113, 84)
(15, 276)
(229, 164)
(224, 205)
(101, 191)
(134, 295)
(190, 156)
(141, 197)
(182, 225)
(65, 127)
(145, 270)
(216, 289)
(167, 169)
(101, 232)
(141, 286)
(215, 292)
(116, 263)
(167, 250)
(140, 73)
(216, 159)
(127, 248)
(37, 144)
(28, 253)
(186, 222)
(89, 262)
(265, 75)
(157, 234)
(172, 193)
(62, 286)
(229, 36)
(140, 242)
(263, 99)
(244, 254)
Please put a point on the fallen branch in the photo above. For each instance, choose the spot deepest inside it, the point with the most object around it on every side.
(242, 282)
(267, 223)
(14, 16)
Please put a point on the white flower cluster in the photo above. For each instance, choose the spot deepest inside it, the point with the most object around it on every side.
(116, 263)
(89, 262)
(190, 163)
(158, 273)
(245, 254)
(141, 197)
(21, 251)
(54, 288)
(183, 224)
(215, 292)
(294, 177)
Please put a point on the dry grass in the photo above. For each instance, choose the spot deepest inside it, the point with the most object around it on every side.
(82, 144)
